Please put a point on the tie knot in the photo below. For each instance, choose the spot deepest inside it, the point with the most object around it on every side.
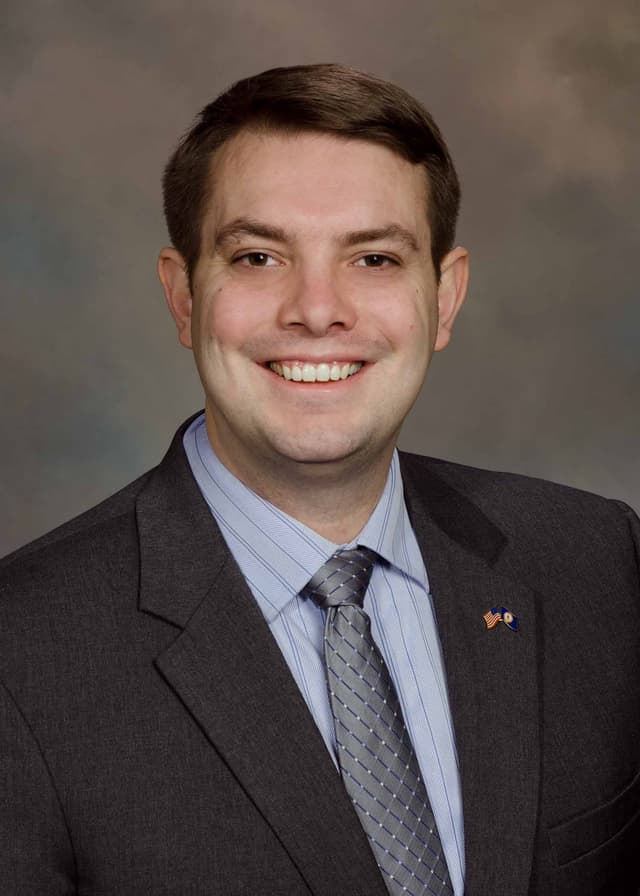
(343, 579)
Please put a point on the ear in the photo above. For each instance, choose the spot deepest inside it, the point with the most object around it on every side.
(172, 271)
(452, 289)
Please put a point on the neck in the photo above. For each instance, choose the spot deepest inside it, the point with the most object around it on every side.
(333, 499)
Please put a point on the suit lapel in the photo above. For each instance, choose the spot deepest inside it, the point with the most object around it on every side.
(492, 680)
(230, 675)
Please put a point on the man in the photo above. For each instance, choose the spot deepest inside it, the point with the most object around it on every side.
(167, 725)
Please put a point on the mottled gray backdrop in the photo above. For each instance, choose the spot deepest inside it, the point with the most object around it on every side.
(540, 105)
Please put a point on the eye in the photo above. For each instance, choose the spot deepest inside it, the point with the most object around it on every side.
(255, 260)
(375, 260)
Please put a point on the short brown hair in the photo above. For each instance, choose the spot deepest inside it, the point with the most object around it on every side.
(331, 99)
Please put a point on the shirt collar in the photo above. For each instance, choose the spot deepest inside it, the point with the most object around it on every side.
(388, 527)
(276, 553)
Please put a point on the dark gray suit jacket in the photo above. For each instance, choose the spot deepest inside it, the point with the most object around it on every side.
(154, 742)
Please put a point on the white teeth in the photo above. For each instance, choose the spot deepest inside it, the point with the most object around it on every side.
(299, 371)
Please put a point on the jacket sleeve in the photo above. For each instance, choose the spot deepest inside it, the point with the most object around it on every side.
(634, 524)
(634, 527)
(35, 849)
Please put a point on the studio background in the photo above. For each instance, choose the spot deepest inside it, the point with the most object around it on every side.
(539, 104)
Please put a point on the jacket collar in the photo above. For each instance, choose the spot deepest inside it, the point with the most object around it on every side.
(181, 549)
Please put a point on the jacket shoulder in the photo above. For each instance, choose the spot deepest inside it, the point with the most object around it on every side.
(68, 587)
(530, 511)
(87, 526)
(499, 488)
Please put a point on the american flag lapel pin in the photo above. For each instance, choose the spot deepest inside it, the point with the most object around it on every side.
(500, 614)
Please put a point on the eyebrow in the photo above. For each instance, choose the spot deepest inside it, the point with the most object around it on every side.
(248, 227)
(390, 232)
(240, 227)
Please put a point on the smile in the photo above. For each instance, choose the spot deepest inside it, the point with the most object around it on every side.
(303, 372)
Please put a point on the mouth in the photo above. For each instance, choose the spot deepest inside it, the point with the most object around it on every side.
(305, 372)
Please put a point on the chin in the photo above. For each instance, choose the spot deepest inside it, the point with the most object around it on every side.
(319, 450)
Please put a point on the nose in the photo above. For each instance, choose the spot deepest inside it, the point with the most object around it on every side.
(317, 303)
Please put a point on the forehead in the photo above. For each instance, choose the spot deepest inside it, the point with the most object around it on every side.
(317, 177)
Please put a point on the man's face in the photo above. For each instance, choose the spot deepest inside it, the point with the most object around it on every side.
(315, 301)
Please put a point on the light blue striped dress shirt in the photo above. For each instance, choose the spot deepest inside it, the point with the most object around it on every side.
(278, 555)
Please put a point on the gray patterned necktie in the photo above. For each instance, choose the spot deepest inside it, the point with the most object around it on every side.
(378, 765)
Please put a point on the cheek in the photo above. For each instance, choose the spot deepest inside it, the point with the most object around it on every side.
(406, 320)
(231, 316)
